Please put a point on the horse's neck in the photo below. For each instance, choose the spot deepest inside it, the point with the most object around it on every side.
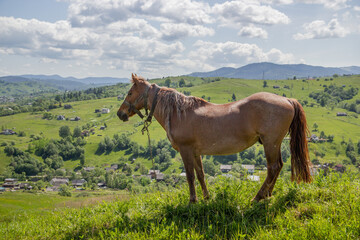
(157, 112)
(161, 117)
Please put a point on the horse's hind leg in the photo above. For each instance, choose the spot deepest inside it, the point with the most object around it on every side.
(189, 158)
(201, 176)
(274, 166)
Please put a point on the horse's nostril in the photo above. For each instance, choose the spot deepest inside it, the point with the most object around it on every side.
(123, 116)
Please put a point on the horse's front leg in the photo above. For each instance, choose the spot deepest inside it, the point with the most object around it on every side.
(201, 176)
(188, 158)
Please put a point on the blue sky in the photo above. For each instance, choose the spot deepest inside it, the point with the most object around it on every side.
(156, 38)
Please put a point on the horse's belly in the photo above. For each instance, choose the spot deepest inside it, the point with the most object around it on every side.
(225, 145)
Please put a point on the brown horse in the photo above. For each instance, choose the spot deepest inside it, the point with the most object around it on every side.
(196, 127)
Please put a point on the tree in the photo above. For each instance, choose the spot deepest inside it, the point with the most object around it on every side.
(167, 82)
(315, 126)
(64, 131)
(182, 83)
(82, 160)
(265, 84)
(209, 167)
(64, 190)
(285, 152)
(77, 132)
(233, 97)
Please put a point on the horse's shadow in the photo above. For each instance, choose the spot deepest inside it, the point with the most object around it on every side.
(222, 219)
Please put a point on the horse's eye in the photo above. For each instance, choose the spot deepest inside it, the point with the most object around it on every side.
(129, 93)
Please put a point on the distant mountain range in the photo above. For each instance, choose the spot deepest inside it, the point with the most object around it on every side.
(64, 83)
(274, 71)
(36, 84)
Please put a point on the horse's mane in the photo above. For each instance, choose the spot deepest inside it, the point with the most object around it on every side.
(170, 100)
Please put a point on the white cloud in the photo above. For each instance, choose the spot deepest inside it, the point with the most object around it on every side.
(131, 27)
(319, 29)
(331, 4)
(235, 53)
(285, 2)
(253, 32)
(50, 40)
(135, 48)
(173, 31)
(103, 12)
(245, 12)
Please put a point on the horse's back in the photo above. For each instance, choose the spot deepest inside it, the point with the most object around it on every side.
(215, 128)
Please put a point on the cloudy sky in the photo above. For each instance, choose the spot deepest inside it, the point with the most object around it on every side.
(156, 38)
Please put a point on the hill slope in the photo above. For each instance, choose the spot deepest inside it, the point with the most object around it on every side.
(329, 208)
(276, 71)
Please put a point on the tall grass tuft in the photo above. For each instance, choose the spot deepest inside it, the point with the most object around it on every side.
(328, 208)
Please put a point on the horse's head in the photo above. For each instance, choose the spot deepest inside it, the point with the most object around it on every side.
(135, 100)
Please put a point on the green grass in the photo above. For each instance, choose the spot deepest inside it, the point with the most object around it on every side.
(329, 208)
(15, 206)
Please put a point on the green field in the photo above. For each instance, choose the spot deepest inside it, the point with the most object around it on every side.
(16, 206)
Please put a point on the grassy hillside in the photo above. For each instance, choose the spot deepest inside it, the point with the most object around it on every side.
(329, 208)
(18, 89)
(216, 90)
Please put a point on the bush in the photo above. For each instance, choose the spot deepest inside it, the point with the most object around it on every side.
(65, 190)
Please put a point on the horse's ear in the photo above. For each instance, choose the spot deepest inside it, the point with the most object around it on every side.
(134, 78)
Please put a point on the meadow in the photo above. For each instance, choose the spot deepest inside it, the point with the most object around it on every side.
(328, 208)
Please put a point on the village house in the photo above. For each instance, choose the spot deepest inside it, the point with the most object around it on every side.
(250, 168)
(85, 133)
(101, 184)
(67, 106)
(8, 132)
(26, 186)
(153, 173)
(60, 117)
(11, 183)
(341, 114)
(114, 166)
(159, 177)
(75, 119)
(225, 168)
(109, 169)
(78, 182)
(105, 110)
(56, 182)
(88, 169)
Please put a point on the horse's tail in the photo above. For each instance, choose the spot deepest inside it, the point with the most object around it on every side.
(300, 161)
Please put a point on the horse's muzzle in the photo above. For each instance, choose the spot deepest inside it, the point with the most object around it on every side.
(123, 116)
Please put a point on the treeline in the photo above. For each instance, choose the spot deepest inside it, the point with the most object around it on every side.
(333, 94)
(162, 150)
(53, 152)
(50, 101)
